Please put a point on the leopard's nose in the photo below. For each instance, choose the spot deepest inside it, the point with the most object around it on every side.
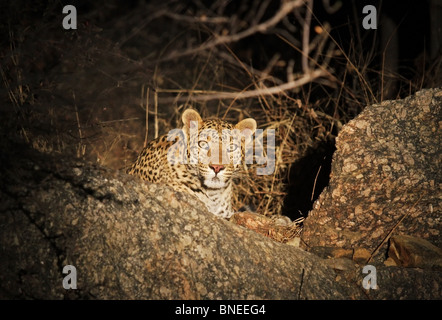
(216, 167)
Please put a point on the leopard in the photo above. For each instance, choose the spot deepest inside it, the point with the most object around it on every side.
(201, 159)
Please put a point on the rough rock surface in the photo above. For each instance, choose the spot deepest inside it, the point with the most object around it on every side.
(385, 179)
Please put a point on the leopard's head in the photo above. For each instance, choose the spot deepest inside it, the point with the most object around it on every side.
(216, 148)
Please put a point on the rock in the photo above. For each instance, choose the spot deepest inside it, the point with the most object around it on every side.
(358, 255)
(341, 264)
(361, 256)
(396, 283)
(412, 252)
(385, 178)
(332, 252)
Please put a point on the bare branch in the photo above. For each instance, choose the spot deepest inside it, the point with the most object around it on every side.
(306, 78)
(200, 19)
(331, 9)
(261, 75)
(306, 36)
(285, 9)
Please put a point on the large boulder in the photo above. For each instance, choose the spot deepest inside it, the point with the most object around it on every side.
(385, 178)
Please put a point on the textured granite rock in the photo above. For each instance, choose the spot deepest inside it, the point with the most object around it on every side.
(385, 179)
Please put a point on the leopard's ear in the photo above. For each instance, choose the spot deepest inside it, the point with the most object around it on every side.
(191, 118)
(247, 124)
(246, 128)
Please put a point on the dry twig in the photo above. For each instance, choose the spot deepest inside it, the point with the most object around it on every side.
(306, 78)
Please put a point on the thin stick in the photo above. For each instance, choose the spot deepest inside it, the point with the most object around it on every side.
(80, 147)
(306, 78)
(147, 117)
(306, 36)
(156, 113)
(118, 120)
(314, 184)
(392, 230)
(78, 117)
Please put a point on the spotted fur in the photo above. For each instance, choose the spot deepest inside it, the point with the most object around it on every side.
(200, 160)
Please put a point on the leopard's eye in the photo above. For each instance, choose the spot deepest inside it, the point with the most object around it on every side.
(232, 147)
(203, 144)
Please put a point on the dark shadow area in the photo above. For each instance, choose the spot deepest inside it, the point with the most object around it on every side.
(307, 179)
